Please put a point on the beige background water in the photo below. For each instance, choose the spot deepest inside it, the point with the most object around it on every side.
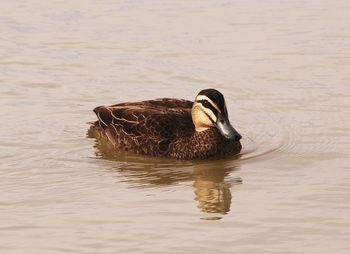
(284, 67)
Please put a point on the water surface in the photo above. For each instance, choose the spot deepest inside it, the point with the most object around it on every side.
(284, 70)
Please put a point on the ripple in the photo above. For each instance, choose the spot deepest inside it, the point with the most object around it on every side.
(266, 142)
(40, 85)
(20, 63)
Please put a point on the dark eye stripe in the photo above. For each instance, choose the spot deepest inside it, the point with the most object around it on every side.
(211, 120)
(208, 105)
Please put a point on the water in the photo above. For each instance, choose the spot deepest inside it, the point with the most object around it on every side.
(283, 67)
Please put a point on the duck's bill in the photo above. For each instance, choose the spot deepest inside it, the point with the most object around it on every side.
(226, 129)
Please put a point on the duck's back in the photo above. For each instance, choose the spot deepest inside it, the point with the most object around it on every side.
(147, 127)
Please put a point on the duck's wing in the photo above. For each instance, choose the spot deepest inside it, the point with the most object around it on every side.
(146, 127)
(161, 103)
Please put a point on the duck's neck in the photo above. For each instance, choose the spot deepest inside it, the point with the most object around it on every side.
(201, 128)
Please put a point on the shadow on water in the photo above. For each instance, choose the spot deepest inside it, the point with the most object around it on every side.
(211, 179)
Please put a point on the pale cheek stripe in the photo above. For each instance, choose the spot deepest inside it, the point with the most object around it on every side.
(203, 97)
(204, 110)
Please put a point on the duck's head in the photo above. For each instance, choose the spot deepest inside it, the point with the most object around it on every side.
(209, 111)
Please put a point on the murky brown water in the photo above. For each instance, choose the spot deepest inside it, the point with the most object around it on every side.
(284, 67)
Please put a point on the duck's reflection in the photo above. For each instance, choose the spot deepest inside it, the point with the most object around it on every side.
(212, 180)
(212, 191)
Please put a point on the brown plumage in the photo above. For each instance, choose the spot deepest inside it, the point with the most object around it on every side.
(164, 127)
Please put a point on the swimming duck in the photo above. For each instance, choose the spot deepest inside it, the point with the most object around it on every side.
(168, 127)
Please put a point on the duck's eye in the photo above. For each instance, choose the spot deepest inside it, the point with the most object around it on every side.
(206, 103)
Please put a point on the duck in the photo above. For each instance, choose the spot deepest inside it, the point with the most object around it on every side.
(169, 127)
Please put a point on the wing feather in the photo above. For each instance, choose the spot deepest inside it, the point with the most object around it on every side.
(147, 127)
